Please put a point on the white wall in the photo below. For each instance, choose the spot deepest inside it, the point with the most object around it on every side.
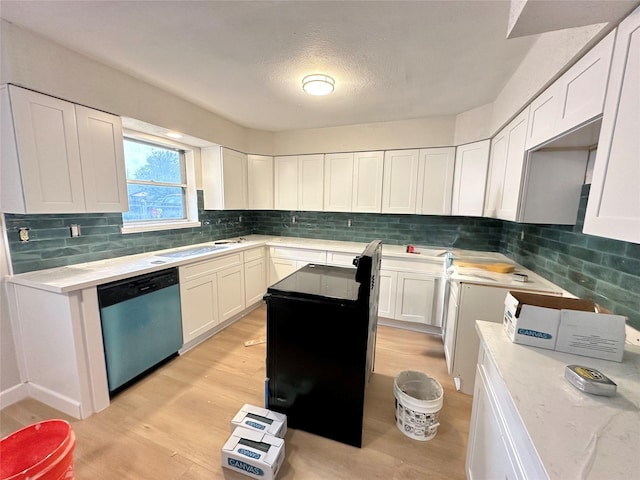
(425, 132)
(473, 125)
(34, 62)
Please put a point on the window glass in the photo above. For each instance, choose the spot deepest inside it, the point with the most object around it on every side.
(155, 182)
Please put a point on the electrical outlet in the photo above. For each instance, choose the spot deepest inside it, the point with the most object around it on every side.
(24, 234)
(293, 219)
(522, 235)
(75, 230)
(349, 223)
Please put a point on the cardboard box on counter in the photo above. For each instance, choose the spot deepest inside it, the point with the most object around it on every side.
(253, 453)
(565, 324)
(260, 419)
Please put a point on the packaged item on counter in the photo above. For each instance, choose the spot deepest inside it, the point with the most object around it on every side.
(590, 380)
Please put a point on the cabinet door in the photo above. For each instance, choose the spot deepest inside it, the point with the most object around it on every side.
(487, 455)
(230, 292)
(338, 184)
(280, 268)
(400, 181)
(495, 180)
(414, 298)
(368, 168)
(234, 170)
(199, 306)
(255, 281)
(260, 182)
(613, 209)
(543, 114)
(47, 145)
(582, 87)
(470, 179)
(449, 332)
(387, 296)
(514, 166)
(285, 193)
(435, 180)
(102, 155)
(310, 182)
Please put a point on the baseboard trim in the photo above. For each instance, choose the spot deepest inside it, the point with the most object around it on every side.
(13, 394)
(55, 400)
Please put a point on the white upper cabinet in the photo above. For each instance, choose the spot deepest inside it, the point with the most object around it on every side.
(368, 168)
(470, 179)
(338, 182)
(613, 209)
(260, 182)
(353, 182)
(58, 157)
(575, 98)
(400, 181)
(285, 175)
(505, 170)
(311, 182)
(435, 180)
(224, 179)
(299, 182)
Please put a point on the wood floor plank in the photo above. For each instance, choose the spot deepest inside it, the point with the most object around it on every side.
(173, 423)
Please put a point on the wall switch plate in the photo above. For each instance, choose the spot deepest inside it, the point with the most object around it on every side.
(75, 230)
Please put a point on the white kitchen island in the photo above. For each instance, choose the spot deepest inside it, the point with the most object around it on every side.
(529, 422)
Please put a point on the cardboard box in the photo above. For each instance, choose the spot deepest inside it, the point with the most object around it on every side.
(253, 453)
(565, 324)
(260, 419)
(592, 334)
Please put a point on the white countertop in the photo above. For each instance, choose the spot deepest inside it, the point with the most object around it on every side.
(84, 275)
(576, 435)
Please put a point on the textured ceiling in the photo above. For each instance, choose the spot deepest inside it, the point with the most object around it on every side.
(245, 60)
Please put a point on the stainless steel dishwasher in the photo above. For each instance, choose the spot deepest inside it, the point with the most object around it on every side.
(141, 324)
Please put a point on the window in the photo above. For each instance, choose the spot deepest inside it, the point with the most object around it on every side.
(160, 195)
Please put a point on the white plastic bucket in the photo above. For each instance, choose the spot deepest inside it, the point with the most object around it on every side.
(418, 404)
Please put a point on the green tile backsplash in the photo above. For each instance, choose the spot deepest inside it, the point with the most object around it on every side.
(607, 271)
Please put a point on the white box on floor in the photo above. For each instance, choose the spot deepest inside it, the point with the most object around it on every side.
(260, 419)
(256, 454)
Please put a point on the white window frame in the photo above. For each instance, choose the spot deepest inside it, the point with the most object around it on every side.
(191, 194)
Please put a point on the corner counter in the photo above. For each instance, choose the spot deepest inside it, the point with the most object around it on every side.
(537, 425)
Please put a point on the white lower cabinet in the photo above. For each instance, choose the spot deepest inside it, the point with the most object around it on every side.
(230, 292)
(255, 281)
(414, 298)
(284, 261)
(387, 296)
(211, 291)
(488, 452)
(199, 306)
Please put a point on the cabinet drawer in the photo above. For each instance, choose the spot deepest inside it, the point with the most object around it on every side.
(341, 259)
(312, 256)
(207, 267)
(254, 254)
(408, 265)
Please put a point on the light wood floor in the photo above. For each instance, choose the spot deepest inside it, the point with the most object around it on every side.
(173, 423)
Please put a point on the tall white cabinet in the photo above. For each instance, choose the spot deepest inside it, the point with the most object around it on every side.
(58, 157)
(613, 208)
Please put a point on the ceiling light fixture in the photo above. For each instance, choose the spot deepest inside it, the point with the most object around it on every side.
(318, 84)
(175, 135)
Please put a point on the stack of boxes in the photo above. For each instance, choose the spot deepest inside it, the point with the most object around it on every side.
(256, 444)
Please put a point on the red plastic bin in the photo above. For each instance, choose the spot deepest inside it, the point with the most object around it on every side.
(42, 451)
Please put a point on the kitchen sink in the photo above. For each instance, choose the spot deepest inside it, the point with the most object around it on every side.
(190, 252)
